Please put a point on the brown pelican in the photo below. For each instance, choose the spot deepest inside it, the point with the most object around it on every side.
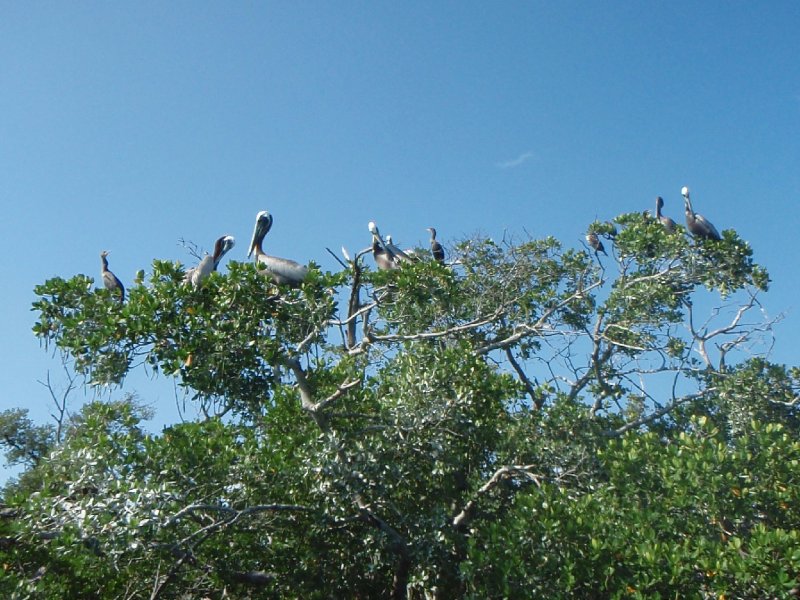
(210, 263)
(668, 223)
(404, 255)
(595, 243)
(225, 243)
(111, 281)
(436, 247)
(281, 270)
(384, 258)
(698, 225)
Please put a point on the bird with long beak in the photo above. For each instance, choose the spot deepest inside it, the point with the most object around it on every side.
(383, 256)
(668, 223)
(698, 225)
(404, 255)
(283, 271)
(111, 281)
(210, 263)
(436, 248)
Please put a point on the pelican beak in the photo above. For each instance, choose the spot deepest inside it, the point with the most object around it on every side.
(263, 225)
(376, 235)
(380, 241)
(227, 242)
(252, 242)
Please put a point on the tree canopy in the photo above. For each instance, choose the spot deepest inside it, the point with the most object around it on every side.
(528, 420)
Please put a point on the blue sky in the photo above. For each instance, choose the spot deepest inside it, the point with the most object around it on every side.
(128, 126)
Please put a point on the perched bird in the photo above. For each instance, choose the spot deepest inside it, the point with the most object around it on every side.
(436, 247)
(595, 243)
(698, 225)
(397, 253)
(210, 263)
(111, 281)
(384, 258)
(222, 246)
(668, 223)
(281, 270)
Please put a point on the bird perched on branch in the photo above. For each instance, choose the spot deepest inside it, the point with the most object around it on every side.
(281, 270)
(436, 248)
(384, 258)
(210, 263)
(111, 281)
(668, 223)
(698, 225)
(397, 253)
(595, 243)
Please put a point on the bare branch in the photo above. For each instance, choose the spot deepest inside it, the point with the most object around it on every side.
(462, 518)
(535, 398)
(259, 508)
(306, 394)
(340, 391)
(336, 258)
(527, 330)
(645, 419)
(60, 402)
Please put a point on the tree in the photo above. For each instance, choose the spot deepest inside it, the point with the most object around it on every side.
(529, 421)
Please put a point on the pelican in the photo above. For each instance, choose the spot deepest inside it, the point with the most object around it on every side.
(595, 243)
(436, 247)
(698, 225)
(384, 258)
(210, 263)
(111, 281)
(221, 248)
(281, 270)
(406, 255)
(668, 223)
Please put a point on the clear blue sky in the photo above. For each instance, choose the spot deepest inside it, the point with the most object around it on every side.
(127, 126)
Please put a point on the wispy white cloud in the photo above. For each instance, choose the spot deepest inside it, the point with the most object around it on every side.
(522, 158)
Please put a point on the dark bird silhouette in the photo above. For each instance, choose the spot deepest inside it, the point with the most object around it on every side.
(436, 247)
(595, 243)
(281, 270)
(383, 256)
(698, 225)
(111, 281)
(668, 223)
(210, 263)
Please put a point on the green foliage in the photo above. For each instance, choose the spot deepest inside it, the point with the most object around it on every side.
(531, 421)
(222, 340)
(689, 517)
(25, 442)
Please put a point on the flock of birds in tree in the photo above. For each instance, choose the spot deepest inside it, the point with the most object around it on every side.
(282, 271)
(386, 254)
(697, 224)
